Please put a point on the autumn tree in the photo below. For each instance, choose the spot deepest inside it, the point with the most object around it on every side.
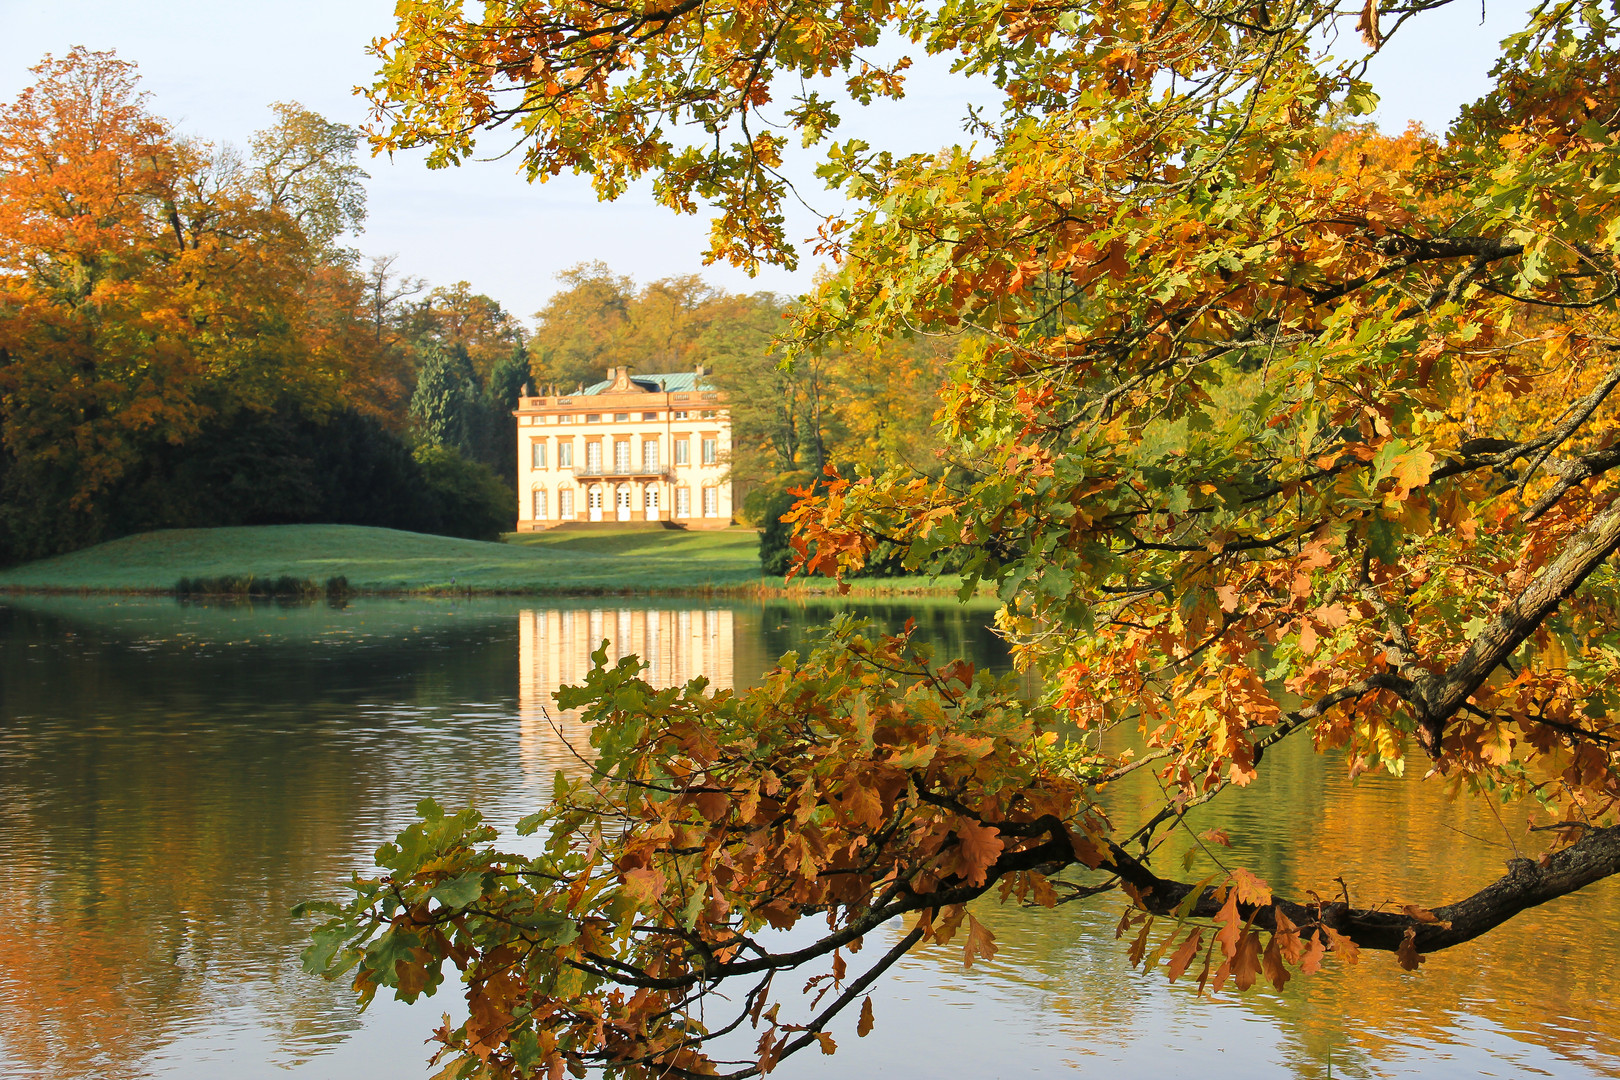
(304, 165)
(1266, 427)
(456, 317)
(600, 319)
(164, 299)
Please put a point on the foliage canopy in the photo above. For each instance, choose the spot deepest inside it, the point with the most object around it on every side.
(1266, 426)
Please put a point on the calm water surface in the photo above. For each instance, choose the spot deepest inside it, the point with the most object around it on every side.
(174, 778)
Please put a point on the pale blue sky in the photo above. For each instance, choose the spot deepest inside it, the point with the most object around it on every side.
(214, 66)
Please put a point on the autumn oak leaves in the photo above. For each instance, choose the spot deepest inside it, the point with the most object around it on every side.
(1264, 426)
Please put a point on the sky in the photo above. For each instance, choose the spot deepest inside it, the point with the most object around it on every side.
(213, 67)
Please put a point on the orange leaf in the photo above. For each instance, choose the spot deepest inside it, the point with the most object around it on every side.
(980, 942)
(1250, 889)
(713, 805)
(1184, 955)
(1407, 955)
(1272, 963)
(864, 1027)
(981, 846)
(1315, 949)
(1231, 925)
(1287, 937)
(1341, 944)
(1246, 961)
(1138, 947)
(1423, 915)
(645, 885)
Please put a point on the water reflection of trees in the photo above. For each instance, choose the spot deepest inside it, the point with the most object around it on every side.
(177, 778)
(1562, 1012)
(171, 795)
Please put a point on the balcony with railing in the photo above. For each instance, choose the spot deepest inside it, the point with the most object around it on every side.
(622, 471)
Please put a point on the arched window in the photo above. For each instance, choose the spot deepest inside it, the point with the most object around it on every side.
(539, 504)
(565, 503)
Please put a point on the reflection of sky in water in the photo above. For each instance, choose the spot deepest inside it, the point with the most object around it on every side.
(175, 778)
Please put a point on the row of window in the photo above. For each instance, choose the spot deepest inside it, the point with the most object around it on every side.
(622, 501)
(624, 417)
(622, 450)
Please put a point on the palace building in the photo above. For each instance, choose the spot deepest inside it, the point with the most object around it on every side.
(628, 448)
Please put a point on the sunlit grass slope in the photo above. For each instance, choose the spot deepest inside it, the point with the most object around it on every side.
(389, 560)
(386, 559)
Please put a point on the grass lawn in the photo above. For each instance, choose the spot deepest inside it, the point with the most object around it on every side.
(388, 560)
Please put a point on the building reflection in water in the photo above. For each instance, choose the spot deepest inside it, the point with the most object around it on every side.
(554, 649)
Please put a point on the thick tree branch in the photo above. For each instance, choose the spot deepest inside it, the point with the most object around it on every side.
(1527, 884)
(1440, 696)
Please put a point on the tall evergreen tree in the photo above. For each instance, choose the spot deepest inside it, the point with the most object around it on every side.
(506, 382)
(448, 401)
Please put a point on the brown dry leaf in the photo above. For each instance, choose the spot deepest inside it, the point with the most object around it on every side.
(1407, 955)
(1041, 890)
(713, 805)
(864, 1027)
(1246, 962)
(827, 1044)
(949, 919)
(1315, 949)
(1222, 973)
(981, 847)
(644, 885)
(865, 806)
(1138, 947)
(980, 942)
(1287, 937)
(1087, 850)
(1250, 889)
(1423, 915)
(1272, 963)
(1349, 950)
(1367, 25)
(1184, 955)
(1231, 925)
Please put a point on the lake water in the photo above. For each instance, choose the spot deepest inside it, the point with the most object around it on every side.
(174, 778)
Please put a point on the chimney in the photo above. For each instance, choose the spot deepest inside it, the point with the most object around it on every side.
(700, 371)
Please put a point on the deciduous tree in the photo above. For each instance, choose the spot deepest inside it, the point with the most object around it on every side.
(1268, 427)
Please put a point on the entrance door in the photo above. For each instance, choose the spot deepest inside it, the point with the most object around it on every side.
(653, 513)
(593, 501)
(624, 502)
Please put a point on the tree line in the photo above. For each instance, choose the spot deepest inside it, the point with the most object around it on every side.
(188, 338)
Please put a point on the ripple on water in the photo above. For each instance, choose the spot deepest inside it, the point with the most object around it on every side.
(176, 777)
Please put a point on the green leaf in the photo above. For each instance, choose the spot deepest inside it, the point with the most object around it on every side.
(460, 891)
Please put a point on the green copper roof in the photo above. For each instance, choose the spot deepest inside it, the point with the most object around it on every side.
(675, 382)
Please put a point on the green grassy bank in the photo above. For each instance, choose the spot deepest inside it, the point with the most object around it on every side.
(386, 560)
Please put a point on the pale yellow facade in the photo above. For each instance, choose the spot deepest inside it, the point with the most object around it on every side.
(630, 448)
(554, 649)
